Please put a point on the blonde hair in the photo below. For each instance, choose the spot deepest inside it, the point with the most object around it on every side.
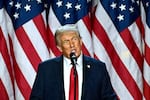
(62, 29)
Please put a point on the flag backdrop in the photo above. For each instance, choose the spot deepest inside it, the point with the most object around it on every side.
(6, 72)
(145, 10)
(113, 31)
(118, 42)
(28, 42)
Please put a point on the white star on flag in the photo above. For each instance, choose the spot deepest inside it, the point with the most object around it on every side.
(59, 3)
(27, 7)
(78, 7)
(67, 15)
(69, 5)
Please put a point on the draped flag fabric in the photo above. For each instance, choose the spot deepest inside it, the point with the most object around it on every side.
(28, 42)
(145, 10)
(69, 12)
(6, 73)
(117, 41)
(113, 31)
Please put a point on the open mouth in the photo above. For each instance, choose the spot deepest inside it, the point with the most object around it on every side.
(73, 51)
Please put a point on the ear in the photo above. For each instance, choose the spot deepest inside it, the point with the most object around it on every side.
(60, 49)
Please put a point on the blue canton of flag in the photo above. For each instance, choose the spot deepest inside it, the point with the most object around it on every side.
(146, 4)
(22, 11)
(70, 11)
(122, 12)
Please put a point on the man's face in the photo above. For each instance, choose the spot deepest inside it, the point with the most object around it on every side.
(70, 42)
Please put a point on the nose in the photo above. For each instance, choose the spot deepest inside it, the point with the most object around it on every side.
(71, 44)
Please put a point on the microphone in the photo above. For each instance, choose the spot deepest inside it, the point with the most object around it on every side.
(73, 58)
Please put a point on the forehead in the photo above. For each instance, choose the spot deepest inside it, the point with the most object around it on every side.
(69, 33)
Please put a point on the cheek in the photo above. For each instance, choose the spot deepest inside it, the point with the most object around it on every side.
(79, 44)
(65, 49)
(66, 52)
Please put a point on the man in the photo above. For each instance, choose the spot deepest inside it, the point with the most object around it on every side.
(53, 76)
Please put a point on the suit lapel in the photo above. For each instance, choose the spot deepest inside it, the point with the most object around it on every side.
(60, 69)
(86, 68)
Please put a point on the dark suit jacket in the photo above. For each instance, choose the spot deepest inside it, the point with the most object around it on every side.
(49, 83)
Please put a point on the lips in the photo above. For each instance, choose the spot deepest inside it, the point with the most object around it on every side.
(73, 51)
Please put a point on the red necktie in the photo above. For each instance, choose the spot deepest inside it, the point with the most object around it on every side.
(72, 85)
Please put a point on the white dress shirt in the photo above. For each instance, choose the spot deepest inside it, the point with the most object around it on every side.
(67, 70)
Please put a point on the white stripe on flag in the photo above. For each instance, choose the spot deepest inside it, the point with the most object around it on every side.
(53, 21)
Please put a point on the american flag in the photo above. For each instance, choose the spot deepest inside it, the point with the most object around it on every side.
(6, 73)
(69, 12)
(28, 42)
(145, 10)
(114, 31)
(117, 40)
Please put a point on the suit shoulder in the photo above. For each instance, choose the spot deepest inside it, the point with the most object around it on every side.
(95, 63)
(93, 60)
(56, 59)
(50, 62)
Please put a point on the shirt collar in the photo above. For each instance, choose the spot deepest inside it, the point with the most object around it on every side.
(67, 61)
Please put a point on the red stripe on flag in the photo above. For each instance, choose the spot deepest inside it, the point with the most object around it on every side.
(95, 56)
(28, 47)
(146, 90)
(3, 92)
(116, 61)
(147, 54)
(129, 41)
(85, 51)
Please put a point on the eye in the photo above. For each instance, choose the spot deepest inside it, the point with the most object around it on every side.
(65, 42)
(75, 38)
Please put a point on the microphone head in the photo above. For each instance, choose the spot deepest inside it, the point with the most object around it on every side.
(72, 55)
(73, 58)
